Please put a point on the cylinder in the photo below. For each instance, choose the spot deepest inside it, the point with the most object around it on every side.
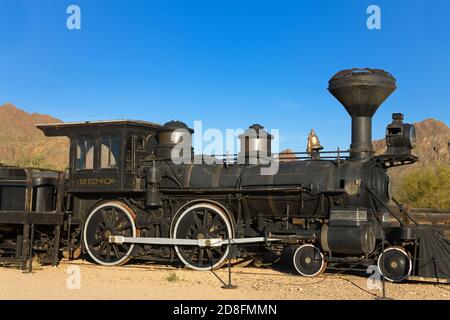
(171, 135)
(153, 196)
(348, 239)
(361, 146)
(44, 188)
(256, 145)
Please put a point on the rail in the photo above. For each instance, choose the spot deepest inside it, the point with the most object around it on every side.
(335, 155)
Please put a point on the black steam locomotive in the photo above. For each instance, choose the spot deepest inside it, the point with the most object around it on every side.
(125, 196)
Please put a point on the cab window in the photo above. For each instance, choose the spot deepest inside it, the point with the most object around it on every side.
(109, 154)
(140, 144)
(85, 154)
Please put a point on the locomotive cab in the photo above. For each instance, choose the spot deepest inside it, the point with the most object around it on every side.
(104, 155)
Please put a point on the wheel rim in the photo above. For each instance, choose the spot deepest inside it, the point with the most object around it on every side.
(202, 221)
(395, 264)
(309, 261)
(106, 220)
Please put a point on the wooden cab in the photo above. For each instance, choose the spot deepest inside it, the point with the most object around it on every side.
(104, 155)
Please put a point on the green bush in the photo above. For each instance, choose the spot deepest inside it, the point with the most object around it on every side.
(426, 187)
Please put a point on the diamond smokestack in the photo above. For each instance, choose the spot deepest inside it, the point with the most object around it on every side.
(361, 92)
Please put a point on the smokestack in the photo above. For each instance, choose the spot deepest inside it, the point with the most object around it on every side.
(361, 92)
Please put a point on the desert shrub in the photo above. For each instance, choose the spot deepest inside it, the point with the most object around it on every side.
(426, 187)
(173, 277)
(31, 161)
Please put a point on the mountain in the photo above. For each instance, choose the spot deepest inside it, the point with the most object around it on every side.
(23, 144)
(287, 155)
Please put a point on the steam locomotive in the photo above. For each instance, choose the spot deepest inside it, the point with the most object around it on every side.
(125, 196)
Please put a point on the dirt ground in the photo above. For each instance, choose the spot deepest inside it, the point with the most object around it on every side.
(166, 282)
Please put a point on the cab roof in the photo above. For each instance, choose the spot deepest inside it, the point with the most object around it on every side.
(66, 128)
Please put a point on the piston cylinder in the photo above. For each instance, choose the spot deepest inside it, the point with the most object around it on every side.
(349, 231)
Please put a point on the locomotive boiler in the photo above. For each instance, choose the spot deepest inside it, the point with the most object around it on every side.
(136, 189)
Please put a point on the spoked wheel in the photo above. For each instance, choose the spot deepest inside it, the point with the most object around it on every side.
(202, 221)
(309, 261)
(395, 264)
(109, 219)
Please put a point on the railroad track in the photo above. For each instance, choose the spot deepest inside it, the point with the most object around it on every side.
(430, 216)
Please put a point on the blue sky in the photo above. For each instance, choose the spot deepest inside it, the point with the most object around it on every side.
(228, 63)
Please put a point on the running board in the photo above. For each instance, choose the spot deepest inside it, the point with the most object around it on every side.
(216, 242)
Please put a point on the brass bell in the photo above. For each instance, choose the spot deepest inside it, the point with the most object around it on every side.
(313, 142)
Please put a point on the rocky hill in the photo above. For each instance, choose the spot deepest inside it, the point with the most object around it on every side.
(23, 144)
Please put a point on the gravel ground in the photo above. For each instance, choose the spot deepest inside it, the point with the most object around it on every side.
(165, 282)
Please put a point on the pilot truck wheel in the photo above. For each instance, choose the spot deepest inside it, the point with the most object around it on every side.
(309, 261)
(395, 264)
(202, 221)
(109, 219)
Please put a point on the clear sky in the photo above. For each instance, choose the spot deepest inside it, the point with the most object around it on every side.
(229, 63)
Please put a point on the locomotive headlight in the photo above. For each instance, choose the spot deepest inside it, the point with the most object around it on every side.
(400, 137)
(410, 135)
